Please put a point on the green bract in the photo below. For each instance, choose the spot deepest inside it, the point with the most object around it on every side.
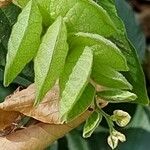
(107, 76)
(116, 96)
(77, 81)
(91, 124)
(135, 75)
(82, 44)
(78, 19)
(24, 41)
(82, 104)
(50, 58)
(105, 52)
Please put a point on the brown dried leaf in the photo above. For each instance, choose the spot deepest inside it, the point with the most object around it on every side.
(7, 118)
(47, 111)
(38, 137)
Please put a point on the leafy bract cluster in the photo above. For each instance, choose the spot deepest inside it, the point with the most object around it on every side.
(79, 44)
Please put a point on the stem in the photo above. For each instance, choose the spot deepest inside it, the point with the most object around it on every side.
(108, 119)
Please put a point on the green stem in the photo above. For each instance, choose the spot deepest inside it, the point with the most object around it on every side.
(108, 119)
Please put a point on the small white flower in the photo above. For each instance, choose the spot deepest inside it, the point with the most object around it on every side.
(121, 118)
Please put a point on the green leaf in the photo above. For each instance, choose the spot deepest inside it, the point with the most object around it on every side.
(87, 16)
(116, 96)
(138, 123)
(53, 146)
(2, 55)
(109, 6)
(24, 79)
(136, 36)
(5, 92)
(138, 132)
(9, 14)
(91, 124)
(8, 17)
(76, 142)
(44, 6)
(85, 100)
(107, 76)
(50, 59)
(76, 82)
(135, 76)
(105, 52)
(24, 41)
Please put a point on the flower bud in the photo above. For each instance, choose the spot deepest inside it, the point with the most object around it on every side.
(112, 141)
(121, 118)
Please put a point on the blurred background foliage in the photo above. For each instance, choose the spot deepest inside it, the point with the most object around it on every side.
(138, 131)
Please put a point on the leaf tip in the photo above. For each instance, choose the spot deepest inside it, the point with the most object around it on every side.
(129, 86)
(37, 101)
(6, 81)
(86, 135)
(62, 118)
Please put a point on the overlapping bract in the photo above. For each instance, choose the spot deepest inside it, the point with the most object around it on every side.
(81, 43)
